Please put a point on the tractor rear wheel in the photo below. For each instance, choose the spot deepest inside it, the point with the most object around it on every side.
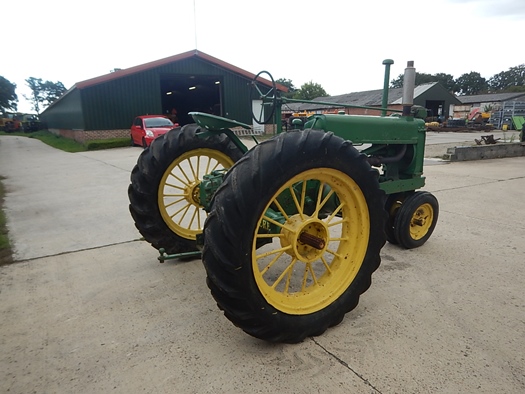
(164, 189)
(283, 281)
(416, 219)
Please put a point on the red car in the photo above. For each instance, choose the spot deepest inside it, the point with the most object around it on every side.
(146, 128)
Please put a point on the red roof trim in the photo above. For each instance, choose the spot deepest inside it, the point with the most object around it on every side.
(167, 60)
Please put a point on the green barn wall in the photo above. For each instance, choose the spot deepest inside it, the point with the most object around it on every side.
(114, 104)
(66, 113)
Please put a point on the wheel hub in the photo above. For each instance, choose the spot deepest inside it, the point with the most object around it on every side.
(305, 237)
(421, 221)
(192, 192)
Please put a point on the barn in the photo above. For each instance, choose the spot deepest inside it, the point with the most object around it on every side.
(105, 106)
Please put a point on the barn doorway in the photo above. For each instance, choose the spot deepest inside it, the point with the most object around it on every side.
(182, 94)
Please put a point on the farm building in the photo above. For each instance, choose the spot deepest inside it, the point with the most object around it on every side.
(105, 106)
(433, 96)
(504, 108)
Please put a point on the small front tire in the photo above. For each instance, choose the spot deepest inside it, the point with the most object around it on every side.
(416, 219)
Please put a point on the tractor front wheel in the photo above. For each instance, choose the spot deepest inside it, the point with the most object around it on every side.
(294, 235)
(164, 189)
(416, 219)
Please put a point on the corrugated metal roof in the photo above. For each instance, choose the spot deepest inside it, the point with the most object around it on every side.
(367, 98)
(161, 62)
(491, 98)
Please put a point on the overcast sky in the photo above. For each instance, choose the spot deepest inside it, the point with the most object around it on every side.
(339, 44)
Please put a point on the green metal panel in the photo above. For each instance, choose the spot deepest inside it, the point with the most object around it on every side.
(66, 113)
(370, 129)
(114, 104)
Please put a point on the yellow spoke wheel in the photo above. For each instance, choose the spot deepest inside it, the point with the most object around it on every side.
(179, 190)
(315, 259)
(294, 235)
(164, 193)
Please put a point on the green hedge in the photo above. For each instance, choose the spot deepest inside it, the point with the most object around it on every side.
(107, 144)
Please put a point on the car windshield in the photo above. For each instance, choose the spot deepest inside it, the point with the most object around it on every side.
(157, 122)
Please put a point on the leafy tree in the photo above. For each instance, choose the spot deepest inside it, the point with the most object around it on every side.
(8, 97)
(36, 97)
(309, 91)
(52, 91)
(44, 93)
(511, 80)
(446, 80)
(471, 83)
(288, 83)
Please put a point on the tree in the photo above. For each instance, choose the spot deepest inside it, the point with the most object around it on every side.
(471, 83)
(446, 80)
(511, 80)
(44, 93)
(288, 83)
(309, 91)
(52, 91)
(8, 97)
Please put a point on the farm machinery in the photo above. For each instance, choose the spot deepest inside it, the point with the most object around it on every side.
(290, 231)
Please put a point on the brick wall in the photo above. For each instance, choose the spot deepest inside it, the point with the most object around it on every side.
(83, 135)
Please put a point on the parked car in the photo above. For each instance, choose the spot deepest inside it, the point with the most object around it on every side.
(146, 128)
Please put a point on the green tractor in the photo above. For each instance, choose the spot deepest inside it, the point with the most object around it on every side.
(290, 231)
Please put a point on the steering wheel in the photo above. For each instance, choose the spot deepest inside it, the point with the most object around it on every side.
(269, 99)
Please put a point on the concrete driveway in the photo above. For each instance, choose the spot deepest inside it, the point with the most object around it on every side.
(87, 309)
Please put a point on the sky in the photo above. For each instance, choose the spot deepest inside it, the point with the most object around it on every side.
(339, 44)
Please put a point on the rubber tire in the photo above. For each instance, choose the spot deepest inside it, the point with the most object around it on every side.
(404, 217)
(239, 203)
(147, 175)
(389, 226)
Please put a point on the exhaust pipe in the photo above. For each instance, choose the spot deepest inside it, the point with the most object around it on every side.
(409, 84)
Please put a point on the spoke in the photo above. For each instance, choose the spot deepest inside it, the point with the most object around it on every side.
(176, 186)
(195, 175)
(183, 173)
(289, 277)
(216, 165)
(338, 239)
(287, 271)
(187, 206)
(199, 218)
(281, 209)
(179, 179)
(184, 214)
(270, 235)
(277, 223)
(325, 263)
(174, 202)
(193, 217)
(208, 166)
(266, 254)
(265, 269)
(334, 253)
(335, 212)
(336, 223)
(321, 204)
(303, 195)
(296, 202)
(175, 195)
(198, 166)
(308, 269)
(319, 196)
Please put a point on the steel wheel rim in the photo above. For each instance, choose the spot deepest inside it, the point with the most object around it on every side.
(421, 221)
(178, 192)
(300, 283)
